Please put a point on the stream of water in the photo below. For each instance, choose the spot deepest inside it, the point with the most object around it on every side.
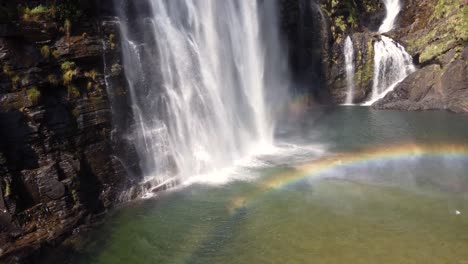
(349, 66)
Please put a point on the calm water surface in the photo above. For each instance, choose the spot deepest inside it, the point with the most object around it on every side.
(359, 186)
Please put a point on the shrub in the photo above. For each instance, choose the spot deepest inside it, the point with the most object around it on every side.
(55, 54)
(7, 70)
(69, 72)
(45, 51)
(53, 79)
(38, 13)
(15, 81)
(92, 74)
(33, 94)
(73, 92)
(68, 65)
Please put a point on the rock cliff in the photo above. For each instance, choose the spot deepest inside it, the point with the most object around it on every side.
(58, 168)
(435, 34)
(432, 31)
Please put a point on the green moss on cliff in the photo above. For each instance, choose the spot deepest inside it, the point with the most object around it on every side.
(69, 72)
(33, 94)
(447, 30)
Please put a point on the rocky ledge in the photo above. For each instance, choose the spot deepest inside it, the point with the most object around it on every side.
(434, 33)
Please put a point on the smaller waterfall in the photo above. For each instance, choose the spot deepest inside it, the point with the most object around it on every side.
(349, 65)
(392, 8)
(391, 65)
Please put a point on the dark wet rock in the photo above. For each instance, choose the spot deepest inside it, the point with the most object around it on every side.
(78, 47)
(58, 161)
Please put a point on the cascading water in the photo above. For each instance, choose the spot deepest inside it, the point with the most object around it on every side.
(391, 61)
(349, 65)
(392, 8)
(391, 65)
(198, 73)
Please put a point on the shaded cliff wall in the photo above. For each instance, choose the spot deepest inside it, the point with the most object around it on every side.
(58, 164)
(316, 30)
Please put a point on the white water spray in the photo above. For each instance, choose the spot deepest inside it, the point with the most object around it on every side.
(349, 65)
(203, 76)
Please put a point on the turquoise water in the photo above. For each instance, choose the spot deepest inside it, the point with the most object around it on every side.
(306, 207)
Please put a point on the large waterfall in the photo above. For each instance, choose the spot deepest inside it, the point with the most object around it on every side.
(391, 61)
(204, 76)
(349, 66)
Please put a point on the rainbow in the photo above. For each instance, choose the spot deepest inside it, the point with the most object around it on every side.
(343, 160)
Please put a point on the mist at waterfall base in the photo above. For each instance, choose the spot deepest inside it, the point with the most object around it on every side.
(205, 80)
(371, 187)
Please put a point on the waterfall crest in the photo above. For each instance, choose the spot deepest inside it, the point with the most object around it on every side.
(392, 8)
(198, 72)
(349, 66)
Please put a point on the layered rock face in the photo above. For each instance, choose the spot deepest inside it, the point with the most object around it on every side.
(435, 34)
(57, 158)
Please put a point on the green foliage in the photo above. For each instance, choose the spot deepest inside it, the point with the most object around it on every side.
(55, 54)
(15, 79)
(69, 9)
(7, 70)
(67, 65)
(37, 13)
(73, 92)
(7, 191)
(45, 51)
(52, 78)
(67, 27)
(39, 9)
(69, 72)
(92, 74)
(33, 94)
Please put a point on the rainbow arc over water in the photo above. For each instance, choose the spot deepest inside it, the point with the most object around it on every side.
(368, 157)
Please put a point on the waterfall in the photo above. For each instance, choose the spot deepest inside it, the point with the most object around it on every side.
(392, 8)
(349, 66)
(391, 65)
(391, 61)
(203, 78)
